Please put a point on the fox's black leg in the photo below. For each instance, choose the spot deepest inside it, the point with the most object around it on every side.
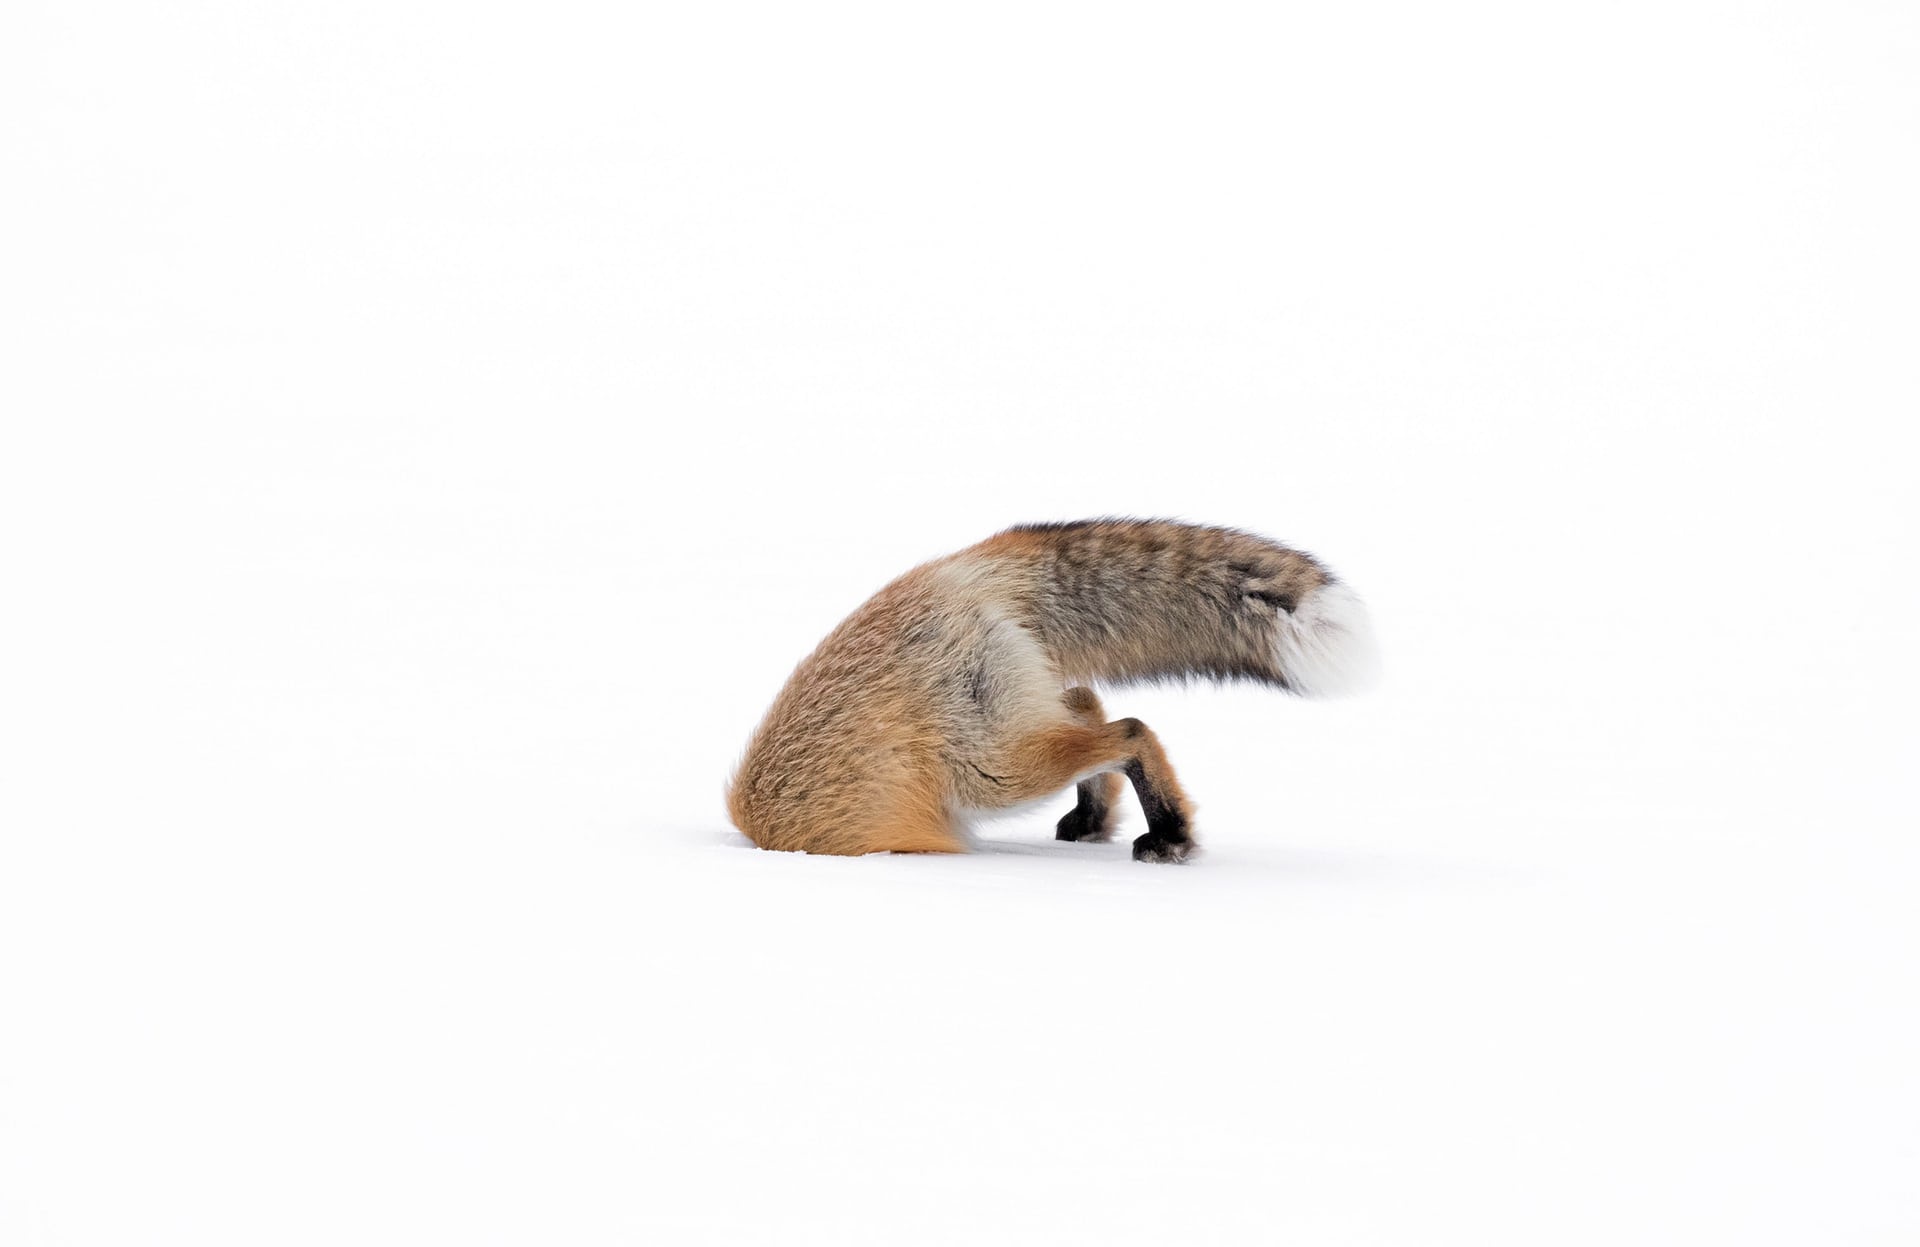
(1050, 758)
(1093, 818)
(1168, 837)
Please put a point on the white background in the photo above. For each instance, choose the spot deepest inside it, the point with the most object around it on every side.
(433, 433)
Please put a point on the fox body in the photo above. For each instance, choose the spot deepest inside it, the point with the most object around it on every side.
(961, 688)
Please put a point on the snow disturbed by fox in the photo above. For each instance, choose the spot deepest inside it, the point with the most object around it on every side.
(961, 688)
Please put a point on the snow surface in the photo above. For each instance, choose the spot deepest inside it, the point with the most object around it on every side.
(433, 433)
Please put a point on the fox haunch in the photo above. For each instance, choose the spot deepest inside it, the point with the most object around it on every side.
(960, 688)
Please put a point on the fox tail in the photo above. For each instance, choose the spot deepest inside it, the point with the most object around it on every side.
(1123, 601)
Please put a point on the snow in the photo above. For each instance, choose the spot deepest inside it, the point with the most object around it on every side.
(433, 435)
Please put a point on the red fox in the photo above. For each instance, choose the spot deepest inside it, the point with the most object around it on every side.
(960, 688)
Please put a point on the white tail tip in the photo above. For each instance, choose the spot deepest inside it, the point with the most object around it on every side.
(1326, 646)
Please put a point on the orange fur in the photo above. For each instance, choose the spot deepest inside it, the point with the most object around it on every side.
(958, 688)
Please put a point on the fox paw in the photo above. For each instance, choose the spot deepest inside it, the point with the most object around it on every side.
(1080, 823)
(1157, 846)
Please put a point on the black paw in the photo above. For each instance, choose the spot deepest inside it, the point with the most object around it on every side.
(1079, 823)
(1157, 846)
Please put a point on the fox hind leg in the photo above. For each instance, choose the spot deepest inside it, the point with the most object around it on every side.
(1048, 760)
(1169, 837)
(1093, 816)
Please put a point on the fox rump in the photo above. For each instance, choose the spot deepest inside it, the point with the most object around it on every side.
(962, 687)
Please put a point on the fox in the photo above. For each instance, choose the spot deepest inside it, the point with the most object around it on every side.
(964, 687)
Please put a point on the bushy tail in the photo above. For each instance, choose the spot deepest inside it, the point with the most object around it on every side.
(1127, 600)
(1326, 646)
